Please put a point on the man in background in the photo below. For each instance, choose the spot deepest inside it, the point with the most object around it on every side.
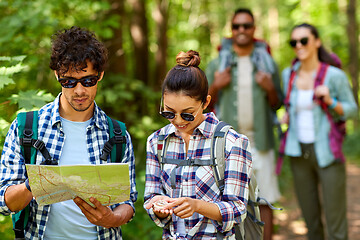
(245, 90)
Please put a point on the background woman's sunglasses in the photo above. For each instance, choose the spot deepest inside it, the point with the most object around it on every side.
(170, 115)
(88, 81)
(303, 41)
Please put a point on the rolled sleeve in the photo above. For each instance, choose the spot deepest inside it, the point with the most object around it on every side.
(153, 180)
(130, 159)
(342, 92)
(159, 222)
(4, 210)
(237, 177)
(12, 166)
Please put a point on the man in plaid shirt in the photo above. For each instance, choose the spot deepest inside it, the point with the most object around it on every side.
(74, 130)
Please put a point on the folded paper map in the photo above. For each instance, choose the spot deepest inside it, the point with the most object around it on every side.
(108, 183)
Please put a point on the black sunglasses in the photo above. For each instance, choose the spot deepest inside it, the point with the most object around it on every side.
(171, 115)
(246, 26)
(88, 81)
(303, 41)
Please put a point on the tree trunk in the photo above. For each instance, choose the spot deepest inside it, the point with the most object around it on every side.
(352, 31)
(117, 63)
(139, 35)
(160, 16)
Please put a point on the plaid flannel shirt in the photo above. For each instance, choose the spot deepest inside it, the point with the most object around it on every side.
(198, 181)
(12, 165)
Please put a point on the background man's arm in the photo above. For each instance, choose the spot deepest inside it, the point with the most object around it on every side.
(221, 80)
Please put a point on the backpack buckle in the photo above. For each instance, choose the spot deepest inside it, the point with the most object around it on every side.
(119, 139)
(28, 133)
(107, 147)
(38, 144)
(49, 162)
(26, 142)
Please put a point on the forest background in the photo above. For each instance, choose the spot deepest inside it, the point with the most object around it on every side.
(143, 38)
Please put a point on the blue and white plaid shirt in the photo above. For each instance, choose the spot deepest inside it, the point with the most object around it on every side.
(198, 181)
(12, 165)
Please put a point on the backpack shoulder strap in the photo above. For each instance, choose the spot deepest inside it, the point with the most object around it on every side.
(218, 152)
(117, 137)
(27, 130)
(319, 80)
(162, 145)
(289, 87)
(28, 135)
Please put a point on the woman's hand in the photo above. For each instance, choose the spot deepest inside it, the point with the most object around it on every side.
(322, 92)
(183, 207)
(285, 119)
(160, 212)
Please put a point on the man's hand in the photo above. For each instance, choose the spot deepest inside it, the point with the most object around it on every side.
(99, 215)
(222, 79)
(264, 81)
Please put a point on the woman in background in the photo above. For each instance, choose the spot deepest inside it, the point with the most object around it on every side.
(319, 173)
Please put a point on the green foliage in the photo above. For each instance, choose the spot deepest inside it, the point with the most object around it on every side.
(351, 147)
(141, 227)
(6, 231)
(11, 65)
(26, 28)
(30, 99)
(131, 101)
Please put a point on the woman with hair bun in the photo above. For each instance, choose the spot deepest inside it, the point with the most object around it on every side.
(182, 198)
(318, 100)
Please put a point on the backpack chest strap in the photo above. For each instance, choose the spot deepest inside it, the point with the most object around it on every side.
(187, 162)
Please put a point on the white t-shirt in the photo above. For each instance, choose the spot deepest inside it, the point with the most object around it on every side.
(66, 221)
(305, 116)
(245, 97)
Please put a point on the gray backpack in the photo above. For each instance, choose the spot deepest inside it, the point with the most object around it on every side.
(252, 226)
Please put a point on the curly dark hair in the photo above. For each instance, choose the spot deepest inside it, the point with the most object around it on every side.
(72, 48)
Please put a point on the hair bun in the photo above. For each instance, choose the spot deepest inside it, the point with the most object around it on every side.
(188, 59)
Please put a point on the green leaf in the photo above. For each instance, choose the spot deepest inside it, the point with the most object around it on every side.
(11, 70)
(31, 99)
(19, 58)
(5, 80)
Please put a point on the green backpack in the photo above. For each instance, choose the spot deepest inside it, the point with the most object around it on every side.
(252, 226)
(30, 144)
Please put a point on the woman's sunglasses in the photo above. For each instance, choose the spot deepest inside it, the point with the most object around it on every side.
(303, 41)
(170, 115)
(88, 81)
